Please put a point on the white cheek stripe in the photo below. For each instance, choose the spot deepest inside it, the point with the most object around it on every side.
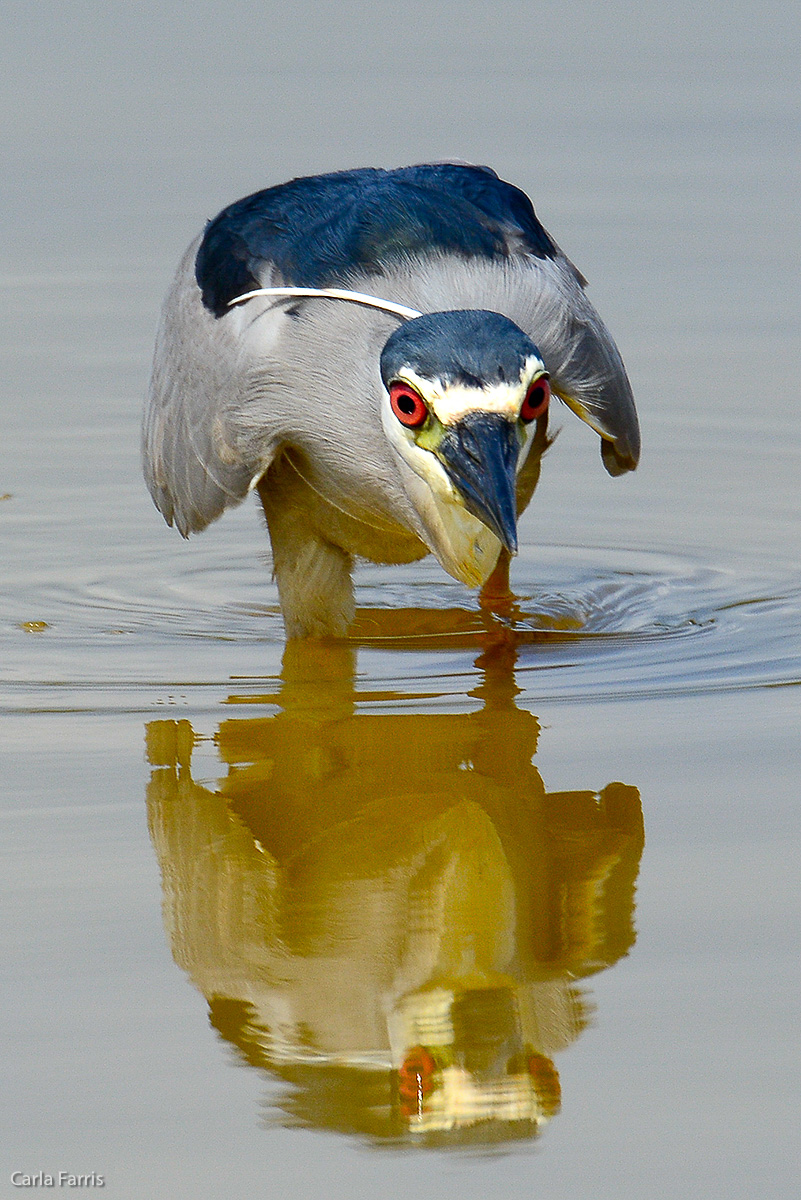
(451, 402)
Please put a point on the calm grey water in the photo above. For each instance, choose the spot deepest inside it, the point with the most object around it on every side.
(235, 888)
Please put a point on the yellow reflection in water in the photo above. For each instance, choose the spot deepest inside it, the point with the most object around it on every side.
(388, 910)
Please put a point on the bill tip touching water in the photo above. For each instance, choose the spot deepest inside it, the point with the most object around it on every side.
(375, 352)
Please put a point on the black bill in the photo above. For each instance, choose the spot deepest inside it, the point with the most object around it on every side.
(480, 454)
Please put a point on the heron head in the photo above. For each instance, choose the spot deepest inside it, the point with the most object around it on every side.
(464, 392)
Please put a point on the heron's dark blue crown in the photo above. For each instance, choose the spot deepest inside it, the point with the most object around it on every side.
(324, 230)
(472, 347)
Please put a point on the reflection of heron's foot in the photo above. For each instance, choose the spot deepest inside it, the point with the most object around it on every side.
(412, 626)
(497, 660)
(499, 645)
(169, 744)
(316, 661)
(496, 595)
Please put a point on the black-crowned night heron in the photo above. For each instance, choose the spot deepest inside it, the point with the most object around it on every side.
(374, 351)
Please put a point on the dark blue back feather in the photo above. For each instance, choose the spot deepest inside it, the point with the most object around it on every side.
(322, 230)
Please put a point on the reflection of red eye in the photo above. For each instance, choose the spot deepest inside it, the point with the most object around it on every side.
(416, 1079)
(536, 401)
(407, 406)
(546, 1083)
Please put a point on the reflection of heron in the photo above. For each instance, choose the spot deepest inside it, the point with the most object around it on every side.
(289, 360)
(389, 910)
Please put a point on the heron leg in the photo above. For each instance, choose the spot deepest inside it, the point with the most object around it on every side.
(313, 575)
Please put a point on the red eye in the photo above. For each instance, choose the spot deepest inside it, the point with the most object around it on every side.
(407, 406)
(536, 401)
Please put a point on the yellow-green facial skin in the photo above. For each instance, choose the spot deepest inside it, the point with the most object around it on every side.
(464, 546)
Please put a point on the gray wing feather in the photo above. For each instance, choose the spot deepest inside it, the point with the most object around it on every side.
(194, 461)
(586, 368)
